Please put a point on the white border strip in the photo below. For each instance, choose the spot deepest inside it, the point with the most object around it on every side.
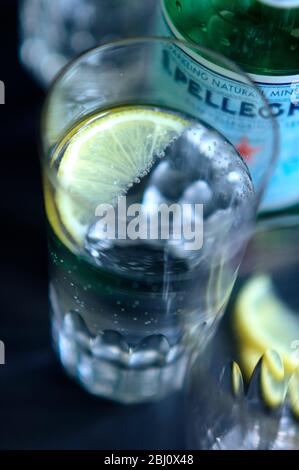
(2, 92)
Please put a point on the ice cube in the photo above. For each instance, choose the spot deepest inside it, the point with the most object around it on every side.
(239, 184)
(188, 246)
(199, 193)
(187, 155)
(151, 198)
(168, 180)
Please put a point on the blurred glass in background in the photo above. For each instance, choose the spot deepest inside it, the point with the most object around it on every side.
(253, 403)
(55, 31)
(226, 413)
(267, 308)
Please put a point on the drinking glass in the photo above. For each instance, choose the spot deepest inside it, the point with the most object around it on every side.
(53, 32)
(227, 413)
(128, 125)
(257, 408)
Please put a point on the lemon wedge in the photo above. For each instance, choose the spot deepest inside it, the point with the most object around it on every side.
(262, 321)
(105, 156)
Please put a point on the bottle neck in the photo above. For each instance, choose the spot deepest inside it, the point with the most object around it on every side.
(260, 36)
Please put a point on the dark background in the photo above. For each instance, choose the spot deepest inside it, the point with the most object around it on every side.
(40, 408)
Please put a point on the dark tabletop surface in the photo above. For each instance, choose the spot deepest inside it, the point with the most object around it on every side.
(40, 408)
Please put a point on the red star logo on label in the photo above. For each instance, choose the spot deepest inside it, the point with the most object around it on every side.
(246, 150)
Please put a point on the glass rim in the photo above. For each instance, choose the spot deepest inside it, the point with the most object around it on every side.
(144, 40)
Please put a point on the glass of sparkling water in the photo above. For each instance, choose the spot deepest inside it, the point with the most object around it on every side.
(149, 205)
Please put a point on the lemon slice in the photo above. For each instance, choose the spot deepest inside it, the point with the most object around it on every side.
(273, 385)
(263, 322)
(105, 156)
(293, 392)
(52, 214)
(249, 358)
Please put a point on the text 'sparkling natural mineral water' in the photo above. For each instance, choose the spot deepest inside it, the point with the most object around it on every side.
(262, 36)
(126, 308)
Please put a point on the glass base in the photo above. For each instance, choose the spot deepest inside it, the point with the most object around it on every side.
(98, 365)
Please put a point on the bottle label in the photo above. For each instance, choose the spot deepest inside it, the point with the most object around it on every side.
(282, 94)
(281, 3)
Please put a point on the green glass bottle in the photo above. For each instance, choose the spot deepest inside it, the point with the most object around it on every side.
(262, 36)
